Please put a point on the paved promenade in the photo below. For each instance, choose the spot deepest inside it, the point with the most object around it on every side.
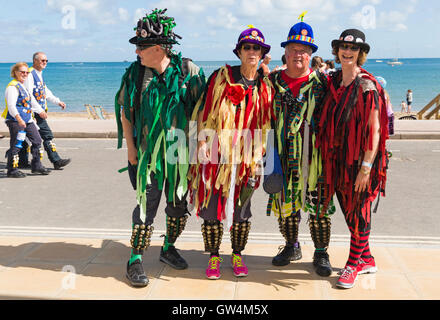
(79, 126)
(70, 264)
(85, 268)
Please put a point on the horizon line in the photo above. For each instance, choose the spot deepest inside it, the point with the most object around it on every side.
(325, 58)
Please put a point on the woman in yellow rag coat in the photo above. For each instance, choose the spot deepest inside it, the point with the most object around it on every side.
(234, 115)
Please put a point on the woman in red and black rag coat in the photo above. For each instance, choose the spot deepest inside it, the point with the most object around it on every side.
(235, 114)
(352, 135)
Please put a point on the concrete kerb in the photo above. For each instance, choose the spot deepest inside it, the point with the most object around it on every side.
(114, 135)
(415, 136)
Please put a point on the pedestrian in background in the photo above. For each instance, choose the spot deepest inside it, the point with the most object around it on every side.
(283, 67)
(265, 64)
(403, 107)
(318, 64)
(409, 100)
(330, 66)
(37, 87)
(18, 114)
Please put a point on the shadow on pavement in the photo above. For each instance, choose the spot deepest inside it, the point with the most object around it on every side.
(110, 259)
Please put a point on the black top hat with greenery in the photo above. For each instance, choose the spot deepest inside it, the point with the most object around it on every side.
(155, 28)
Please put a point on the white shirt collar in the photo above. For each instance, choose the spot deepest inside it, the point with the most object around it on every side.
(39, 73)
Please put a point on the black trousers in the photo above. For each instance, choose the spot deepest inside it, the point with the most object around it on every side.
(33, 136)
(176, 210)
(47, 136)
(240, 214)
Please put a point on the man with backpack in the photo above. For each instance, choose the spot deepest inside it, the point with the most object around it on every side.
(153, 107)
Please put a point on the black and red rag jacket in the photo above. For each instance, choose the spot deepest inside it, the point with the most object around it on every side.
(344, 137)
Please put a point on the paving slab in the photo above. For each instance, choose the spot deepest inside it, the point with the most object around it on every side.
(94, 269)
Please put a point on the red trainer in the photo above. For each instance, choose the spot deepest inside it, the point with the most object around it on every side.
(366, 266)
(347, 278)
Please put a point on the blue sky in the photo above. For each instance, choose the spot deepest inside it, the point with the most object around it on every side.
(98, 30)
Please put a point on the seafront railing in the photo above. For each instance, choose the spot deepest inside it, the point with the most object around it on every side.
(435, 111)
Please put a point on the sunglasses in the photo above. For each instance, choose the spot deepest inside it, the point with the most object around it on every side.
(142, 48)
(23, 72)
(254, 47)
(44, 60)
(349, 47)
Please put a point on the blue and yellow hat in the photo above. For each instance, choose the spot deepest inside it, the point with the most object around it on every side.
(301, 33)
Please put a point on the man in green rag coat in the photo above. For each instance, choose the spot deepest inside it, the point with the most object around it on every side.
(153, 106)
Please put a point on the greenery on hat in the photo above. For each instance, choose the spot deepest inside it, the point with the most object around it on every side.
(157, 23)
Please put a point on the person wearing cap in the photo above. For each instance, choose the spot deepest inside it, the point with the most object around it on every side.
(353, 130)
(36, 85)
(297, 106)
(153, 107)
(233, 120)
(18, 115)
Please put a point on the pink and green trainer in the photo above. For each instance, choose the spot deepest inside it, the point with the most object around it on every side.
(240, 269)
(213, 271)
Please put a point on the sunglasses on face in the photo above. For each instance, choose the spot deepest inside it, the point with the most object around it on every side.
(299, 52)
(349, 47)
(44, 61)
(23, 72)
(254, 47)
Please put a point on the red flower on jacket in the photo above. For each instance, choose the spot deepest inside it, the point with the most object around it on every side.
(236, 94)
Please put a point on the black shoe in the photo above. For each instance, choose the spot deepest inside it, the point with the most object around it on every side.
(136, 274)
(287, 253)
(16, 174)
(42, 170)
(61, 163)
(173, 258)
(322, 264)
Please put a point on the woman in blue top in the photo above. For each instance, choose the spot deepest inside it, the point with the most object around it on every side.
(18, 114)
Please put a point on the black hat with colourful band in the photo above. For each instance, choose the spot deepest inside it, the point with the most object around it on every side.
(352, 36)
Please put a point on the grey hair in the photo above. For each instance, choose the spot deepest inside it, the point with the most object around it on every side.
(36, 54)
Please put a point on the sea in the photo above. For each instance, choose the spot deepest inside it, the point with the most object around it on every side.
(96, 83)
